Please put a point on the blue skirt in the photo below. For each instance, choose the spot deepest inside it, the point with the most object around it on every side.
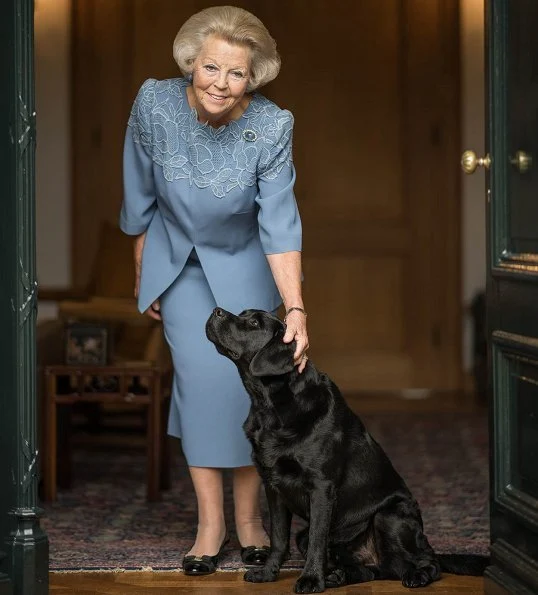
(209, 403)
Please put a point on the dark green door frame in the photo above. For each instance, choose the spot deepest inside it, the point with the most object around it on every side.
(512, 288)
(23, 545)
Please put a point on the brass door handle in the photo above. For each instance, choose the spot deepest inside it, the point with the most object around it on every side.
(521, 161)
(469, 162)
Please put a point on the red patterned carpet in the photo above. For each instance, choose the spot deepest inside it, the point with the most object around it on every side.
(104, 522)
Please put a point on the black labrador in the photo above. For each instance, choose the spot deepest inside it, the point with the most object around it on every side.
(318, 461)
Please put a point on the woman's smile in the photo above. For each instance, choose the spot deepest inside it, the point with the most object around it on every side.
(218, 97)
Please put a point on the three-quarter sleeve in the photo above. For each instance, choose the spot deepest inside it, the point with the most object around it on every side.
(278, 216)
(139, 201)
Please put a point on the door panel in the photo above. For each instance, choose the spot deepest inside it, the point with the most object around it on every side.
(513, 294)
(522, 121)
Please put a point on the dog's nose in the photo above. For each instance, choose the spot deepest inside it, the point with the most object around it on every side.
(218, 312)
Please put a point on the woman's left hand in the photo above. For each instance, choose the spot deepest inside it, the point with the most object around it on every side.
(296, 331)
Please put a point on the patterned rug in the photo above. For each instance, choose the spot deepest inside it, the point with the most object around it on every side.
(104, 522)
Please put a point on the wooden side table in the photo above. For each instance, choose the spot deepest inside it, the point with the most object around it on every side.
(120, 389)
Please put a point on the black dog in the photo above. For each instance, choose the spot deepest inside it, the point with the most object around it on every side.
(318, 461)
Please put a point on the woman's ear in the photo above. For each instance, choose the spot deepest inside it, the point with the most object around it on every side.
(274, 359)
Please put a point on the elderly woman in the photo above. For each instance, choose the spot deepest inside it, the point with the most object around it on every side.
(208, 193)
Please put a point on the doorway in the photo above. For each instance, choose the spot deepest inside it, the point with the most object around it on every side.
(407, 342)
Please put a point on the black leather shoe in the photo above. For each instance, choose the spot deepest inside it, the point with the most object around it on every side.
(202, 565)
(255, 556)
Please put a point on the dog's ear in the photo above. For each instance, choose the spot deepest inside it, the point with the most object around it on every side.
(274, 359)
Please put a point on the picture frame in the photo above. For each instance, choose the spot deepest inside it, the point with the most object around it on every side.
(86, 344)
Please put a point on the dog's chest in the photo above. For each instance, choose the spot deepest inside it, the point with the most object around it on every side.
(293, 481)
(270, 448)
(284, 469)
(283, 452)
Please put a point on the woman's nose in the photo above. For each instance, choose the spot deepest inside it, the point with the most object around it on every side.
(222, 81)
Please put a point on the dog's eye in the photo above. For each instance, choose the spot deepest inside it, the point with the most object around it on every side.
(254, 322)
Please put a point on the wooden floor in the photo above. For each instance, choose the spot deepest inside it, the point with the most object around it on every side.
(230, 583)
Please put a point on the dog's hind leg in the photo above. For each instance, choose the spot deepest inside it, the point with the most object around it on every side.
(402, 548)
(280, 540)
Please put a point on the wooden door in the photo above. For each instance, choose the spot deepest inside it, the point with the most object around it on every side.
(374, 86)
(374, 89)
(513, 294)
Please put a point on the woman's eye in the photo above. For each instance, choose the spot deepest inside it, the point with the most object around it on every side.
(210, 67)
(237, 75)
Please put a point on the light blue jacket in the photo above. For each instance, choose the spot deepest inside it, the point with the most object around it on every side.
(226, 192)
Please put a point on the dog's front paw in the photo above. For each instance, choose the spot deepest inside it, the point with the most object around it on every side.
(416, 578)
(310, 583)
(260, 575)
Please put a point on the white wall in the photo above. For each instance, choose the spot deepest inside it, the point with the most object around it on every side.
(53, 179)
(473, 186)
(53, 174)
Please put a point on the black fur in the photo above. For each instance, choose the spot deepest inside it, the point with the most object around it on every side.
(318, 461)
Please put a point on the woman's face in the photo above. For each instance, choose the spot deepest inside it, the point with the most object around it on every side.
(220, 78)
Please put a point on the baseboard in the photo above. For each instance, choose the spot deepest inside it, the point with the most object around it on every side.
(499, 582)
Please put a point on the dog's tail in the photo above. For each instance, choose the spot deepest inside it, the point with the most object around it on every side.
(467, 564)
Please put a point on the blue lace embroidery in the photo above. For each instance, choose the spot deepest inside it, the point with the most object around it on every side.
(217, 158)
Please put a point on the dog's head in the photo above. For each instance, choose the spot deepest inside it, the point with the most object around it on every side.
(252, 340)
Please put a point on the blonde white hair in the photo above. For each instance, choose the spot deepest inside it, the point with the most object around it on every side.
(236, 26)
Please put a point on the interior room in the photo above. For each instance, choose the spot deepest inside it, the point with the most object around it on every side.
(386, 96)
